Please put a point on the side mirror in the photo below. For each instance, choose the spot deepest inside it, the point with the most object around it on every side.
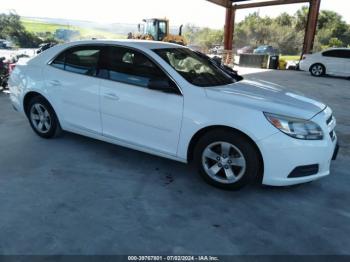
(161, 84)
(217, 60)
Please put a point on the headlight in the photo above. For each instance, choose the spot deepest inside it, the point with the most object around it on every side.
(294, 127)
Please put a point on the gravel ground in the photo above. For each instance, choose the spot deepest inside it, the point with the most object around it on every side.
(75, 195)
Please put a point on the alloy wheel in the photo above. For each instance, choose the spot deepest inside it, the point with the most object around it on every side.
(223, 162)
(40, 118)
(317, 70)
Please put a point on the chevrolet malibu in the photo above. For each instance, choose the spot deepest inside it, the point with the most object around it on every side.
(166, 100)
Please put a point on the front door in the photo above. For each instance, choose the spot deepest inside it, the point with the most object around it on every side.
(130, 111)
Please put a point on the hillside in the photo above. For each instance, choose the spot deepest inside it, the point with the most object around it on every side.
(41, 26)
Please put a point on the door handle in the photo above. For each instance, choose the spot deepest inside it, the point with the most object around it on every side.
(55, 83)
(111, 96)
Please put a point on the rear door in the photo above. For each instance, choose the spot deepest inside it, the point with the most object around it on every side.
(74, 88)
(130, 111)
(347, 62)
(335, 61)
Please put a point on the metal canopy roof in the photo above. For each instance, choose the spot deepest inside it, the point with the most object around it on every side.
(226, 3)
(254, 3)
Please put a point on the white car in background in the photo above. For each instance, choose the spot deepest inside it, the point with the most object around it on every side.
(164, 99)
(335, 61)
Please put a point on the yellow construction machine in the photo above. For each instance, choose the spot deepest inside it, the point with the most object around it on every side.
(158, 30)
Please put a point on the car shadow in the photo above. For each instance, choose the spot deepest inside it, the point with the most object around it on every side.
(171, 171)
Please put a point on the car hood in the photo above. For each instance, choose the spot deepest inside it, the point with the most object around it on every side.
(266, 97)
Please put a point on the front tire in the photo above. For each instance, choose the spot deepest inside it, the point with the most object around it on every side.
(227, 159)
(317, 70)
(42, 118)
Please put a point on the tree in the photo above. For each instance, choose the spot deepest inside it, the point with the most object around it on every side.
(301, 18)
(335, 42)
(208, 37)
(285, 32)
(255, 29)
(285, 19)
(190, 32)
(10, 25)
(327, 18)
(12, 29)
(204, 37)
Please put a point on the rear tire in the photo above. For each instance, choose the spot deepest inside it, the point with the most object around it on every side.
(42, 118)
(227, 159)
(317, 70)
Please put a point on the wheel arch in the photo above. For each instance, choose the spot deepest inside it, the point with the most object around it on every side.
(195, 138)
(29, 96)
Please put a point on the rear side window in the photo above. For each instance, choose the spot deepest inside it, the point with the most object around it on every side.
(80, 60)
(339, 53)
(59, 61)
(128, 66)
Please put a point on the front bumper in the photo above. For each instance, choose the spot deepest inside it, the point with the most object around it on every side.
(282, 155)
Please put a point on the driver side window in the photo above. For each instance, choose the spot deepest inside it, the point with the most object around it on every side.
(128, 66)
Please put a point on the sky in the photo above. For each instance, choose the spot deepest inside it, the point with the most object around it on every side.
(198, 12)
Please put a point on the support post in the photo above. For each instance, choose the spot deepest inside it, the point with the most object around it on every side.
(311, 26)
(228, 33)
(229, 27)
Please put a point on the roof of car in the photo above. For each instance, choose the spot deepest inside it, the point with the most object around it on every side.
(52, 52)
(337, 48)
(128, 42)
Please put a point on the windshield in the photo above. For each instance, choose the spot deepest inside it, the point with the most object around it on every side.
(150, 29)
(195, 69)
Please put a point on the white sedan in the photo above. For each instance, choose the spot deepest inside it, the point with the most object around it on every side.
(335, 61)
(166, 100)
